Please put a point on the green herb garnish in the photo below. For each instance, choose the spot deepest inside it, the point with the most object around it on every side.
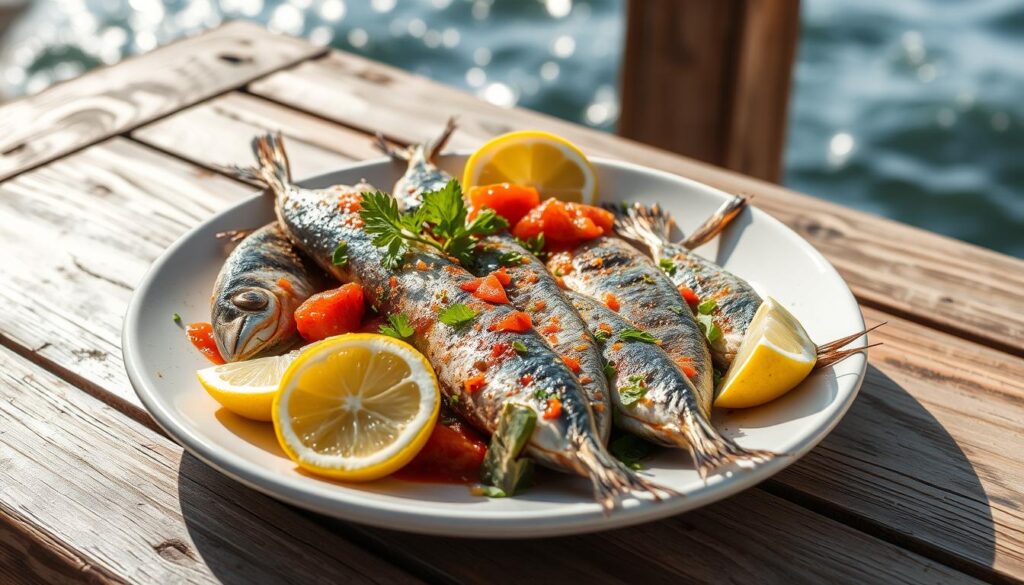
(439, 223)
(647, 279)
(630, 450)
(502, 467)
(340, 255)
(512, 258)
(519, 346)
(398, 327)
(634, 390)
(609, 371)
(534, 245)
(456, 315)
(707, 325)
(676, 310)
(706, 306)
(542, 394)
(489, 491)
(637, 335)
(668, 266)
(177, 319)
(601, 336)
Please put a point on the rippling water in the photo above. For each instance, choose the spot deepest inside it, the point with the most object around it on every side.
(911, 109)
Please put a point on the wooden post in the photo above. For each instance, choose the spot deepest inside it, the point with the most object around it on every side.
(710, 79)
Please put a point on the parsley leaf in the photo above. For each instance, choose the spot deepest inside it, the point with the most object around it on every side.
(511, 258)
(637, 335)
(457, 315)
(489, 491)
(707, 325)
(519, 346)
(706, 306)
(601, 336)
(340, 255)
(634, 390)
(668, 266)
(398, 327)
(381, 219)
(534, 245)
(648, 279)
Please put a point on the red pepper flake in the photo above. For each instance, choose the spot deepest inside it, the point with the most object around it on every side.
(421, 265)
(474, 384)
(500, 349)
(581, 347)
(605, 328)
(617, 345)
(689, 296)
(502, 276)
(516, 322)
(611, 301)
(531, 277)
(554, 408)
(552, 339)
(586, 379)
(526, 379)
(573, 363)
(350, 202)
(539, 305)
(393, 282)
(551, 328)
(690, 372)
(597, 262)
(201, 336)
(286, 284)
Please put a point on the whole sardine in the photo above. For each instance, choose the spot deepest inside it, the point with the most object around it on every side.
(653, 399)
(736, 302)
(475, 362)
(257, 291)
(532, 288)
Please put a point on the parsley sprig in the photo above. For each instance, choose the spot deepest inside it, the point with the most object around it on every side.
(398, 327)
(440, 223)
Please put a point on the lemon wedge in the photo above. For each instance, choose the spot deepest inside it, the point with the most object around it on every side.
(549, 163)
(776, 354)
(356, 407)
(246, 388)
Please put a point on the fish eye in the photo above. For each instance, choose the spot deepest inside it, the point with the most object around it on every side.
(251, 300)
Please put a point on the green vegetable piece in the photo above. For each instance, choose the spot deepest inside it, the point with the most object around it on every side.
(637, 335)
(601, 336)
(707, 325)
(676, 310)
(630, 450)
(456, 315)
(634, 390)
(398, 327)
(667, 265)
(519, 346)
(706, 306)
(502, 468)
(177, 319)
(340, 255)
(489, 491)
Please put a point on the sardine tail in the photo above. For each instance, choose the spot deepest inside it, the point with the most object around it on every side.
(395, 153)
(710, 450)
(649, 226)
(718, 221)
(272, 166)
(612, 480)
(441, 141)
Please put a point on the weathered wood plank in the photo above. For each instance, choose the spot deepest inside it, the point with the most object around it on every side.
(711, 80)
(957, 522)
(126, 506)
(957, 287)
(99, 104)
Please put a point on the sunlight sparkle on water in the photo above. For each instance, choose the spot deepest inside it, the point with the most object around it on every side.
(563, 47)
(839, 148)
(558, 8)
(358, 37)
(499, 94)
(332, 10)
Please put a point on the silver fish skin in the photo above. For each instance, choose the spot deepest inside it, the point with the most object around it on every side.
(421, 174)
(477, 379)
(664, 406)
(256, 293)
(611, 271)
(534, 290)
(736, 301)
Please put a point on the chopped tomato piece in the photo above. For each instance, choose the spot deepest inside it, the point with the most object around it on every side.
(421, 265)
(507, 200)
(689, 371)
(554, 408)
(517, 322)
(560, 264)
(564, 223)
(499, 349)
(490, 290)
(452, 454)
(612, 302)
(471, 285)
(526, 379)
(331, 312)
(350, 201)
(201, 336)
(474, 383)
(573, 363)
(502, 276)
(689, 296)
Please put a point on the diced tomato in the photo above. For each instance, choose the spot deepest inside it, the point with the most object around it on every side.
(473, 384)
(564, 223)
(331, 312)
(452, 454)
(689, 371)
(516, 322)
(612, 302)
(502, 276)
(201, 336)
(350, 201)
(560, 264)
(526, 379)
(490, 290)
(554, 408)
(500, 349)
(689, 296)
(421, 265)
(471, 285)
(573, 363)
(507, 200)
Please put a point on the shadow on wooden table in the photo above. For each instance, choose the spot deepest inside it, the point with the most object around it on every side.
(737, 539)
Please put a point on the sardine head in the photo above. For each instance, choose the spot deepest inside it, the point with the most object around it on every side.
(247, 323)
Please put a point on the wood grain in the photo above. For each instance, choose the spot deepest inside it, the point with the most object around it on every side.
(104, 102)
(975, 521)
(711, 80)
(127, 506)
(947, 284)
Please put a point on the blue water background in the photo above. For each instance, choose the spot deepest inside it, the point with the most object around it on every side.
(913, 109)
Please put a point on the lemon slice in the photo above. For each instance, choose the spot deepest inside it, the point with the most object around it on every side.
(549, 163)
(246, 388)
(356, 407)
(776, 354)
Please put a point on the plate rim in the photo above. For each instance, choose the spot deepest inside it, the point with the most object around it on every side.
(417, 518)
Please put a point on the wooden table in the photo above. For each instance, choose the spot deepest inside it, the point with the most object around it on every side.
(920, 483)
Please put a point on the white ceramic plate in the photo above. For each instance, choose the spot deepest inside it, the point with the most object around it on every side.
(161, 365)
